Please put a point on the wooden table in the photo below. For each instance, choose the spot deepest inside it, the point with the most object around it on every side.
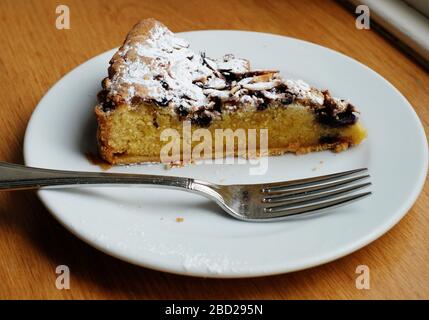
(34, 55)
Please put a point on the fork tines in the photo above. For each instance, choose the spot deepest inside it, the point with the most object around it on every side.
(314, 194)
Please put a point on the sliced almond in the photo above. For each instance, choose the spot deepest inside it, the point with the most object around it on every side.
(264, 77)
(235, 89)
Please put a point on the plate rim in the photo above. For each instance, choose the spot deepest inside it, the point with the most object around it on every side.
(274, 269)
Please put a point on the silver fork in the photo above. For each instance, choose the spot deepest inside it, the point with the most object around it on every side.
(250, 202)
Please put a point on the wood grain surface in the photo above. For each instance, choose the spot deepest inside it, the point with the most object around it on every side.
(34, 55)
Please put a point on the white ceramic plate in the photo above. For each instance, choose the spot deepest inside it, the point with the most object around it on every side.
(139, 225)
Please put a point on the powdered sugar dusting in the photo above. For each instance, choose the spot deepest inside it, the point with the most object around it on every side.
(302, 90)
(163, 68)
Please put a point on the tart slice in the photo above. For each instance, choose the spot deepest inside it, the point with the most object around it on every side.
(156, 83)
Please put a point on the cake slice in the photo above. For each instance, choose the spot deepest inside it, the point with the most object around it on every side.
(155, 83)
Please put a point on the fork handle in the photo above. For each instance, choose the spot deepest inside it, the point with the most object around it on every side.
(19, 177)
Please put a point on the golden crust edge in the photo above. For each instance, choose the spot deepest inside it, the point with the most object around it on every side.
(125, 159)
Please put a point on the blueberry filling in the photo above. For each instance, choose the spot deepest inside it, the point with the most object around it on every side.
(329, 139)
(201, 119)
(165, 85)
(340, 120)
(182, 111)
(106, 103)
(163, 102)
(262, 106)
(288, 99)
